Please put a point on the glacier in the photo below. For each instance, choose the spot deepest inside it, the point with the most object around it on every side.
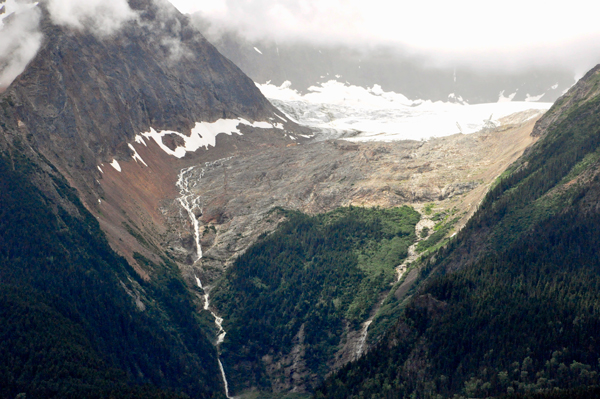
(338, 110)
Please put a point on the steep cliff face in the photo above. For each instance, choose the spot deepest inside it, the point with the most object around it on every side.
(87, 96)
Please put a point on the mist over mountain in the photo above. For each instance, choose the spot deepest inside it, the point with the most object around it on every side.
(307, 64)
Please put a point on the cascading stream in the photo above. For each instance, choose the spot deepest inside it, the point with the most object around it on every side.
(363, 339)
(190, 203)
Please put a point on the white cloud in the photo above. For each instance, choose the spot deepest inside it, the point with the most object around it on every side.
(20, 32)
(101, 17)
(20, 41)
(492, 34)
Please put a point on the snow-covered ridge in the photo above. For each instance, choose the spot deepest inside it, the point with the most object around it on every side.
(356, 113)
(203, 134)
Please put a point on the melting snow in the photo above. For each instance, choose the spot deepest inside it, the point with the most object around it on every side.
(257, 50)
(204, 134)
(189, 201)
(140, 140)
(115, 165)
(372, 114)
(263, 125)
(136, 156)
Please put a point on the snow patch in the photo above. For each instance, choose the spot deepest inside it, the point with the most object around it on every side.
(453, 98)
(555, 86)
(203, 134)
(140, 140)
(263, 125)
(115, 164)
(283, 119)
(100, 169)
(258, 51)
(136, 157)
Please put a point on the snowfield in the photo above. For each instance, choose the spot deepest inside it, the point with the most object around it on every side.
(339, 110)
(203, 135)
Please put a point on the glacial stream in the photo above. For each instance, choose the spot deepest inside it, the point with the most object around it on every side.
(191, 204)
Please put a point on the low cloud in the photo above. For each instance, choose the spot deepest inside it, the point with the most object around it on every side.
(101, 17)
(482, 35)
(20, 27)
(20, 42)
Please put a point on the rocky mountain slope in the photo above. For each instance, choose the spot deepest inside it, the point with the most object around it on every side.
(510, 306)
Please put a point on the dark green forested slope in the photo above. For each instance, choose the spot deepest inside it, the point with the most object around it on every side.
(313, 274)
(512, 307)
(69, 323)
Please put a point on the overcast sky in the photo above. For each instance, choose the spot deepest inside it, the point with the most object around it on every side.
(510, 33)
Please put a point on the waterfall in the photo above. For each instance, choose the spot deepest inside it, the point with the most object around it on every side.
(190, 202)
(363, 339)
